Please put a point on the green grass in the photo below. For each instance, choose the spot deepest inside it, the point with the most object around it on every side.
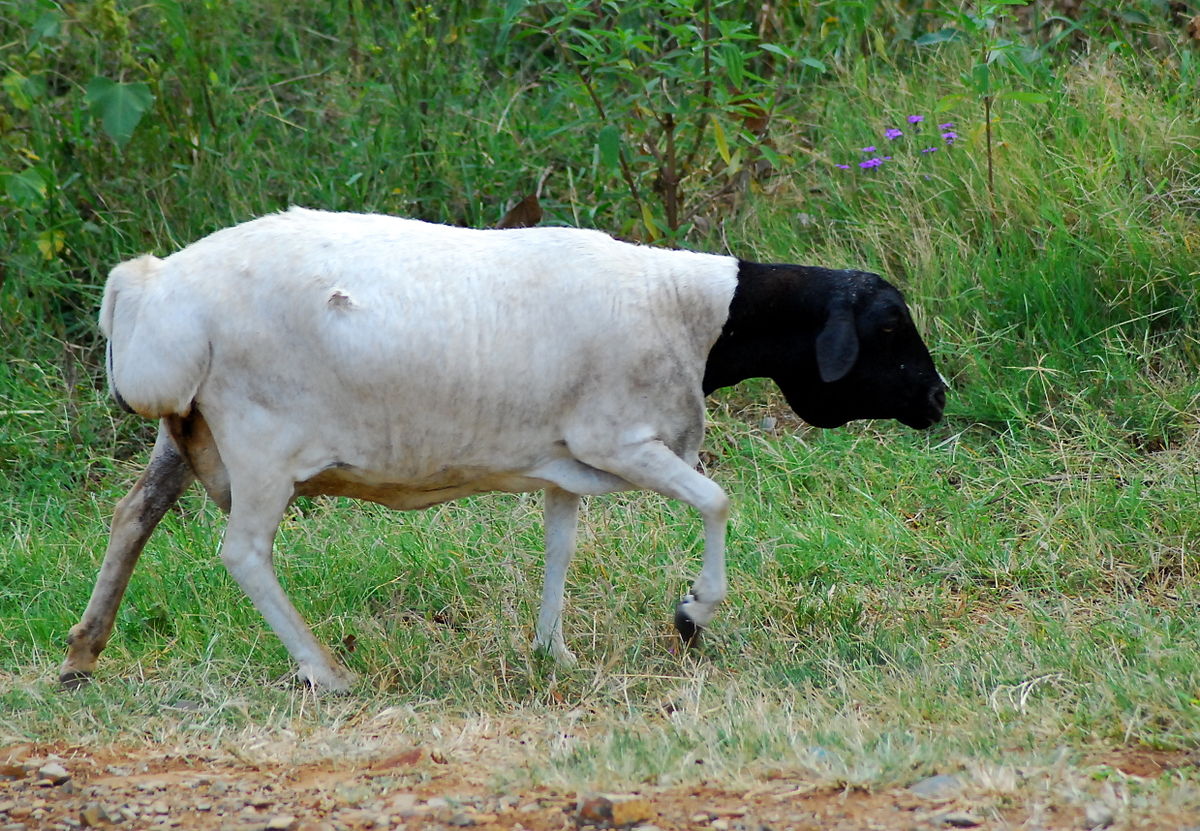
(1014, 587)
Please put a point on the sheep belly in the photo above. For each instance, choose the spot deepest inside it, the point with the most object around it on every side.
(451, 485)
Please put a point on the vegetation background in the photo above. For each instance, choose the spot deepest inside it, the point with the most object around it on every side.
(1013, 591)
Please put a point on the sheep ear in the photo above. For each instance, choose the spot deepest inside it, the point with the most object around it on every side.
(837, 345)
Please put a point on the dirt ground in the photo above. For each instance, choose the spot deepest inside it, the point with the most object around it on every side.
(64, 787)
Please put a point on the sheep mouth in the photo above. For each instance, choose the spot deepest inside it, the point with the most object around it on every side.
(929, 416)
(921, 422)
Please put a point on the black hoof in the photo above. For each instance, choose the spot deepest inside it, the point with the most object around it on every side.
(74, 679)
(688, 631)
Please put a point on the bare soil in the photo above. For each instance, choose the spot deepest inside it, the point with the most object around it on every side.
(66, 787)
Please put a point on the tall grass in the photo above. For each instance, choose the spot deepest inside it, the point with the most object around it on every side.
(1021, 577)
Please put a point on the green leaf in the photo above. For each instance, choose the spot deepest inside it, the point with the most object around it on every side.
(26, 189)
(45, 27)
(722, 143)
(609, 141)
(648, 221)
(17, 87)
(119, 106)
(778, 50)
(940, 36)
(815, 64)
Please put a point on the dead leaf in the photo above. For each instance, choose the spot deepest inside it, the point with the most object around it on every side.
(524, 214)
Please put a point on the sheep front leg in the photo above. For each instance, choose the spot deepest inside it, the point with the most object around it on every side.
(254, 516)
(562, 521)
(166, 477)
(652, 465)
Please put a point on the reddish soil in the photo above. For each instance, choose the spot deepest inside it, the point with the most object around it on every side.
(65, 787)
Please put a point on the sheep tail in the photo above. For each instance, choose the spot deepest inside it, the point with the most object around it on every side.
(158, 351)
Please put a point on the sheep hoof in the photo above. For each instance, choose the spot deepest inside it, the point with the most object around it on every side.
(689, 631)
(559, 654)
(326, 679)
(73, 679)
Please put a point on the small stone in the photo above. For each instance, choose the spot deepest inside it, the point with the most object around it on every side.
(958, 819)
(630, 810)
(942, 786)
(54, 773)
(616, 810)
(10, 771)
(437, 803)
(596, 810)
(14, 826)
(768, 423)
(282, 822)
(461, 820)
(720, 825)
(1098, 815)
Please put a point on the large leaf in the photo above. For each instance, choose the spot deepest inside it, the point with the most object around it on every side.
(26, 189)
(609, 140)
(118, 106)
(940, 36)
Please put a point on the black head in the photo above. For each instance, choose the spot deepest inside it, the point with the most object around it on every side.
(841, 345)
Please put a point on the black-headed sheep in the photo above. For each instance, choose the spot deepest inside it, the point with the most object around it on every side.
(409, 364)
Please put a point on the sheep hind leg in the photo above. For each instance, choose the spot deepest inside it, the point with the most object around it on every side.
(652, 465)
(166, 476)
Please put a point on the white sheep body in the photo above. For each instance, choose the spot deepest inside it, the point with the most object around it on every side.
(420, 360)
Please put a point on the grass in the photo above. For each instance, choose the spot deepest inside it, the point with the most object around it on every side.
(1013, 588)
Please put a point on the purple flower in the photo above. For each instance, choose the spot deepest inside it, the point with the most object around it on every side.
(949, 125)
(872, 162)
(892, 133)
(930, 150)
(843, 166)
(949, 136)
(870, 149)
(915, 119)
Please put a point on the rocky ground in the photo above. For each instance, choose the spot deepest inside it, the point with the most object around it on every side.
(64, 788)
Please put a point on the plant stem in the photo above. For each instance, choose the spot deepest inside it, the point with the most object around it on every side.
(987, 129)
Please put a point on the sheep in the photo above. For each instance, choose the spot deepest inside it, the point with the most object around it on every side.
(410, 364)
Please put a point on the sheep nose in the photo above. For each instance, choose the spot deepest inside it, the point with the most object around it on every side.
(937, 397)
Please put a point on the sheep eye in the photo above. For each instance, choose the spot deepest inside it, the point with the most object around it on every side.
(887, 330)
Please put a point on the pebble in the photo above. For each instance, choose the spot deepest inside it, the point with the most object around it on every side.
(942, 786)
(617, 810)
(1098, 815)
(283, 822)
(959, 819)
(53, 773)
